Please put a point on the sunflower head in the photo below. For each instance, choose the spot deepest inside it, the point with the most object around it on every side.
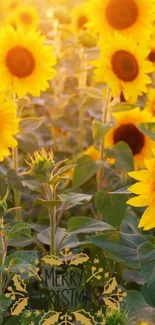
(24, 16)
(26, 63)
(80, 18)
(126, 130)
(145, 191)
(130, 17)
(123, 65)
(9, 127)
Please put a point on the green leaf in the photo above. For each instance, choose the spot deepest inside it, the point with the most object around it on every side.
(27, 256)
(148, 129)
(111, 207)
(123, 190)
(122, 247)
(148, 293)
(3, 187)
(124, 157)
(146, 253)
(63, 238)
(92, 92)
(72, 199)
(22, 241)
(19, 228)
(27, 142)
(81, 225)
(122, 107)
(33, 185)
(99, 130)
(86, 168)
(48, 204)
(30, 124)
(4, 305)
(14, 180)
(14, 320)
(138, 307)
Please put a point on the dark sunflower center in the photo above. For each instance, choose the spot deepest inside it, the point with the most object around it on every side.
(20, 62)
(151, 56)
(26, 18)
(131, 135)
(124, 65)
(82, 21)
(121, 14)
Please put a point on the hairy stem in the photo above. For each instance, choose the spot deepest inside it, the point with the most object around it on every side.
(50, 193)
(82, 85)
(104, 120)
(16, 193)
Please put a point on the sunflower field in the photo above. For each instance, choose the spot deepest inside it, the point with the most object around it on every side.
(77, 162)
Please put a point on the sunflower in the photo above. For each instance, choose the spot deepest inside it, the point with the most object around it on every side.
(145, 190)
(26, 64)
(80, 18)
(130, 17)
(9, 126)
(126, 130)
(25, 16)
(123, 65)
(150, 104)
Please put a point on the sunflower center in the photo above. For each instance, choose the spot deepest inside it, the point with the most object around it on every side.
(20, 62)
(124, 65)
(121, 14)
(151, 56)
(26, 18)
(131, 135)
(82, 21)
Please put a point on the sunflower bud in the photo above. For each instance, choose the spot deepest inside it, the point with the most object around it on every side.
(62, 15)
(87, 39)
(41, 165)
(116, 317)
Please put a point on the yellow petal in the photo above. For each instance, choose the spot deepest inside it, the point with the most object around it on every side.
(148, 221)
(139, 201)
(138, 188)
(141, 175)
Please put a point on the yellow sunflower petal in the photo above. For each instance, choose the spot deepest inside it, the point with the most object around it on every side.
(139, 201)
(138, 188)
(148, 221)
(141, 175)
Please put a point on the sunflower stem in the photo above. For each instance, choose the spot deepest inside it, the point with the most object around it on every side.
(50, 194)
(16, 193)
(2, 254)
(104, 120)
(82, 85)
